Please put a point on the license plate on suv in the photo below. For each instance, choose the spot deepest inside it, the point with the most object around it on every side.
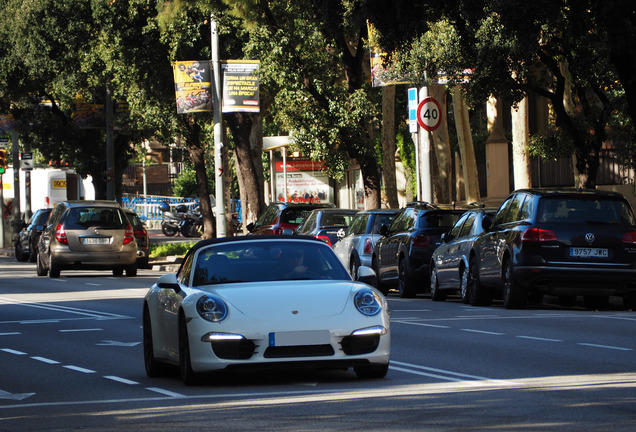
(577, 252)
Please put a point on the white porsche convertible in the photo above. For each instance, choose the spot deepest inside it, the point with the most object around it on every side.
(273, 301)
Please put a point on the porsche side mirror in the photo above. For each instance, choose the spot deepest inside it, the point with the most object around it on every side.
(169, 281)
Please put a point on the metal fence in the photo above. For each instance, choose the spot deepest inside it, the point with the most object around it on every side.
(148, 207)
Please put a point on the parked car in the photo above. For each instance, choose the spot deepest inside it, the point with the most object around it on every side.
(561, 242)
(26, 245)
(402, 256)
(355, 249)
(295, 306)
(325, 224)
(450, 261)
(141, 237)
(281, 216)
(87, 235)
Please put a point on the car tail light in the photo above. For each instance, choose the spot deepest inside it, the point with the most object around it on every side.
(60, 234)
(421, 240)
(538, 235)
(128, 237)
(368, 246)
(325, 239)
(629, 238)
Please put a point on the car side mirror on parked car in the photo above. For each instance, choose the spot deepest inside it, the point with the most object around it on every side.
(384, 230)
(250, 226)
(486, 224)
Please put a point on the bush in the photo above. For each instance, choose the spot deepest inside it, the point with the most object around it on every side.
(170, 249)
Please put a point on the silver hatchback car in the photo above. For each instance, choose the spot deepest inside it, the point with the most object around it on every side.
(87, 235)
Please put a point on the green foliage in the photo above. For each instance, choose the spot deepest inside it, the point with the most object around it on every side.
(551, 144)
(185, 185)
(170, 249)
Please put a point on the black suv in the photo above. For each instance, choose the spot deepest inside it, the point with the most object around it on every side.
(281, 216)
(561, 242)
(402, 256)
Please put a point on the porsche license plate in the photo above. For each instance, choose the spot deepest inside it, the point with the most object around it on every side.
(577, 252)
(292, 338)
(95, 240)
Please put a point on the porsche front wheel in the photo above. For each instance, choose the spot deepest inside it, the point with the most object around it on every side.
(185, 364)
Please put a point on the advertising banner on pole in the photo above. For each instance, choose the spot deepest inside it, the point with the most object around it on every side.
(240, 85)
(193, 86)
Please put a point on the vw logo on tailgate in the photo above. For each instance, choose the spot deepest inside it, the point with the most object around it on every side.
(589, 238)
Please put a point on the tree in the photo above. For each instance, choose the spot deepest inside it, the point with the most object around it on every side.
(313, 56)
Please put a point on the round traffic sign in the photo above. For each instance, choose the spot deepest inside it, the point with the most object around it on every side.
(429, 114)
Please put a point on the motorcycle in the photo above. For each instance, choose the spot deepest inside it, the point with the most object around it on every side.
(184, 222)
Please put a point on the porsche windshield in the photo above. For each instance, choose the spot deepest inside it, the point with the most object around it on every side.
(256, 261)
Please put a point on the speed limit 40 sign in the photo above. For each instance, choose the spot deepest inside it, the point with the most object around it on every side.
(429, 114)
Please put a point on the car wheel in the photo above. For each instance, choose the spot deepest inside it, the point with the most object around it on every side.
(514, 297)
(436, 293)
(118, 271)
(185, 364)
(595, 302)
(567, 300)
(54, 271)
(33, 253)
(153, 367)
(353, 268)
(478, 294)
(20, 255)
(629, 301)
(463, 284)
(382, 287)
(371, 371)
(405, 285)
(131, 270)
(40, 269)
(143, 263)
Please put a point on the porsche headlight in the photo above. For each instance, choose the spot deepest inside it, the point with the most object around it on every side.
(367, 302)
(211, 308)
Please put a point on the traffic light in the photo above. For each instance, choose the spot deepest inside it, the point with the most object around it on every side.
(3, 161)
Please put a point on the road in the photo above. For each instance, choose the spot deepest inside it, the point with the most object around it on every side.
(71, 358)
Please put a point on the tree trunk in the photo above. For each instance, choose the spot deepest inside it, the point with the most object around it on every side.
(247, 130)
(441, 169)
(197, 156)
(520, 138)
(388, 145)
(466, 148)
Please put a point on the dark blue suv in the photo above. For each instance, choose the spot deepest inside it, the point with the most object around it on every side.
(402, 256)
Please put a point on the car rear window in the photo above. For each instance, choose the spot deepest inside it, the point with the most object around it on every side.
(440, 219)
(585, 210)
(79, 218)
(294, 216)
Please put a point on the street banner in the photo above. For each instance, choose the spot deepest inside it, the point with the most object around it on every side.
(382, 71)
(91, 113)
(193, 86)
(240, 85)
(306, 182)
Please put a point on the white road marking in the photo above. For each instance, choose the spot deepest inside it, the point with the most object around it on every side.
(46, 321)
(483, 332)
(10, 334)
(80, 330)
(121, 380)
(93, 284)
(437, 371)
(10, 351)
(539, 339)
(45, 360)
(79, 369)
(14, 396)
(605, 346)
(165, 392)
(421, 324)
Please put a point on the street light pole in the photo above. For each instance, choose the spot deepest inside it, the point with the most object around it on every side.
(218, 132)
